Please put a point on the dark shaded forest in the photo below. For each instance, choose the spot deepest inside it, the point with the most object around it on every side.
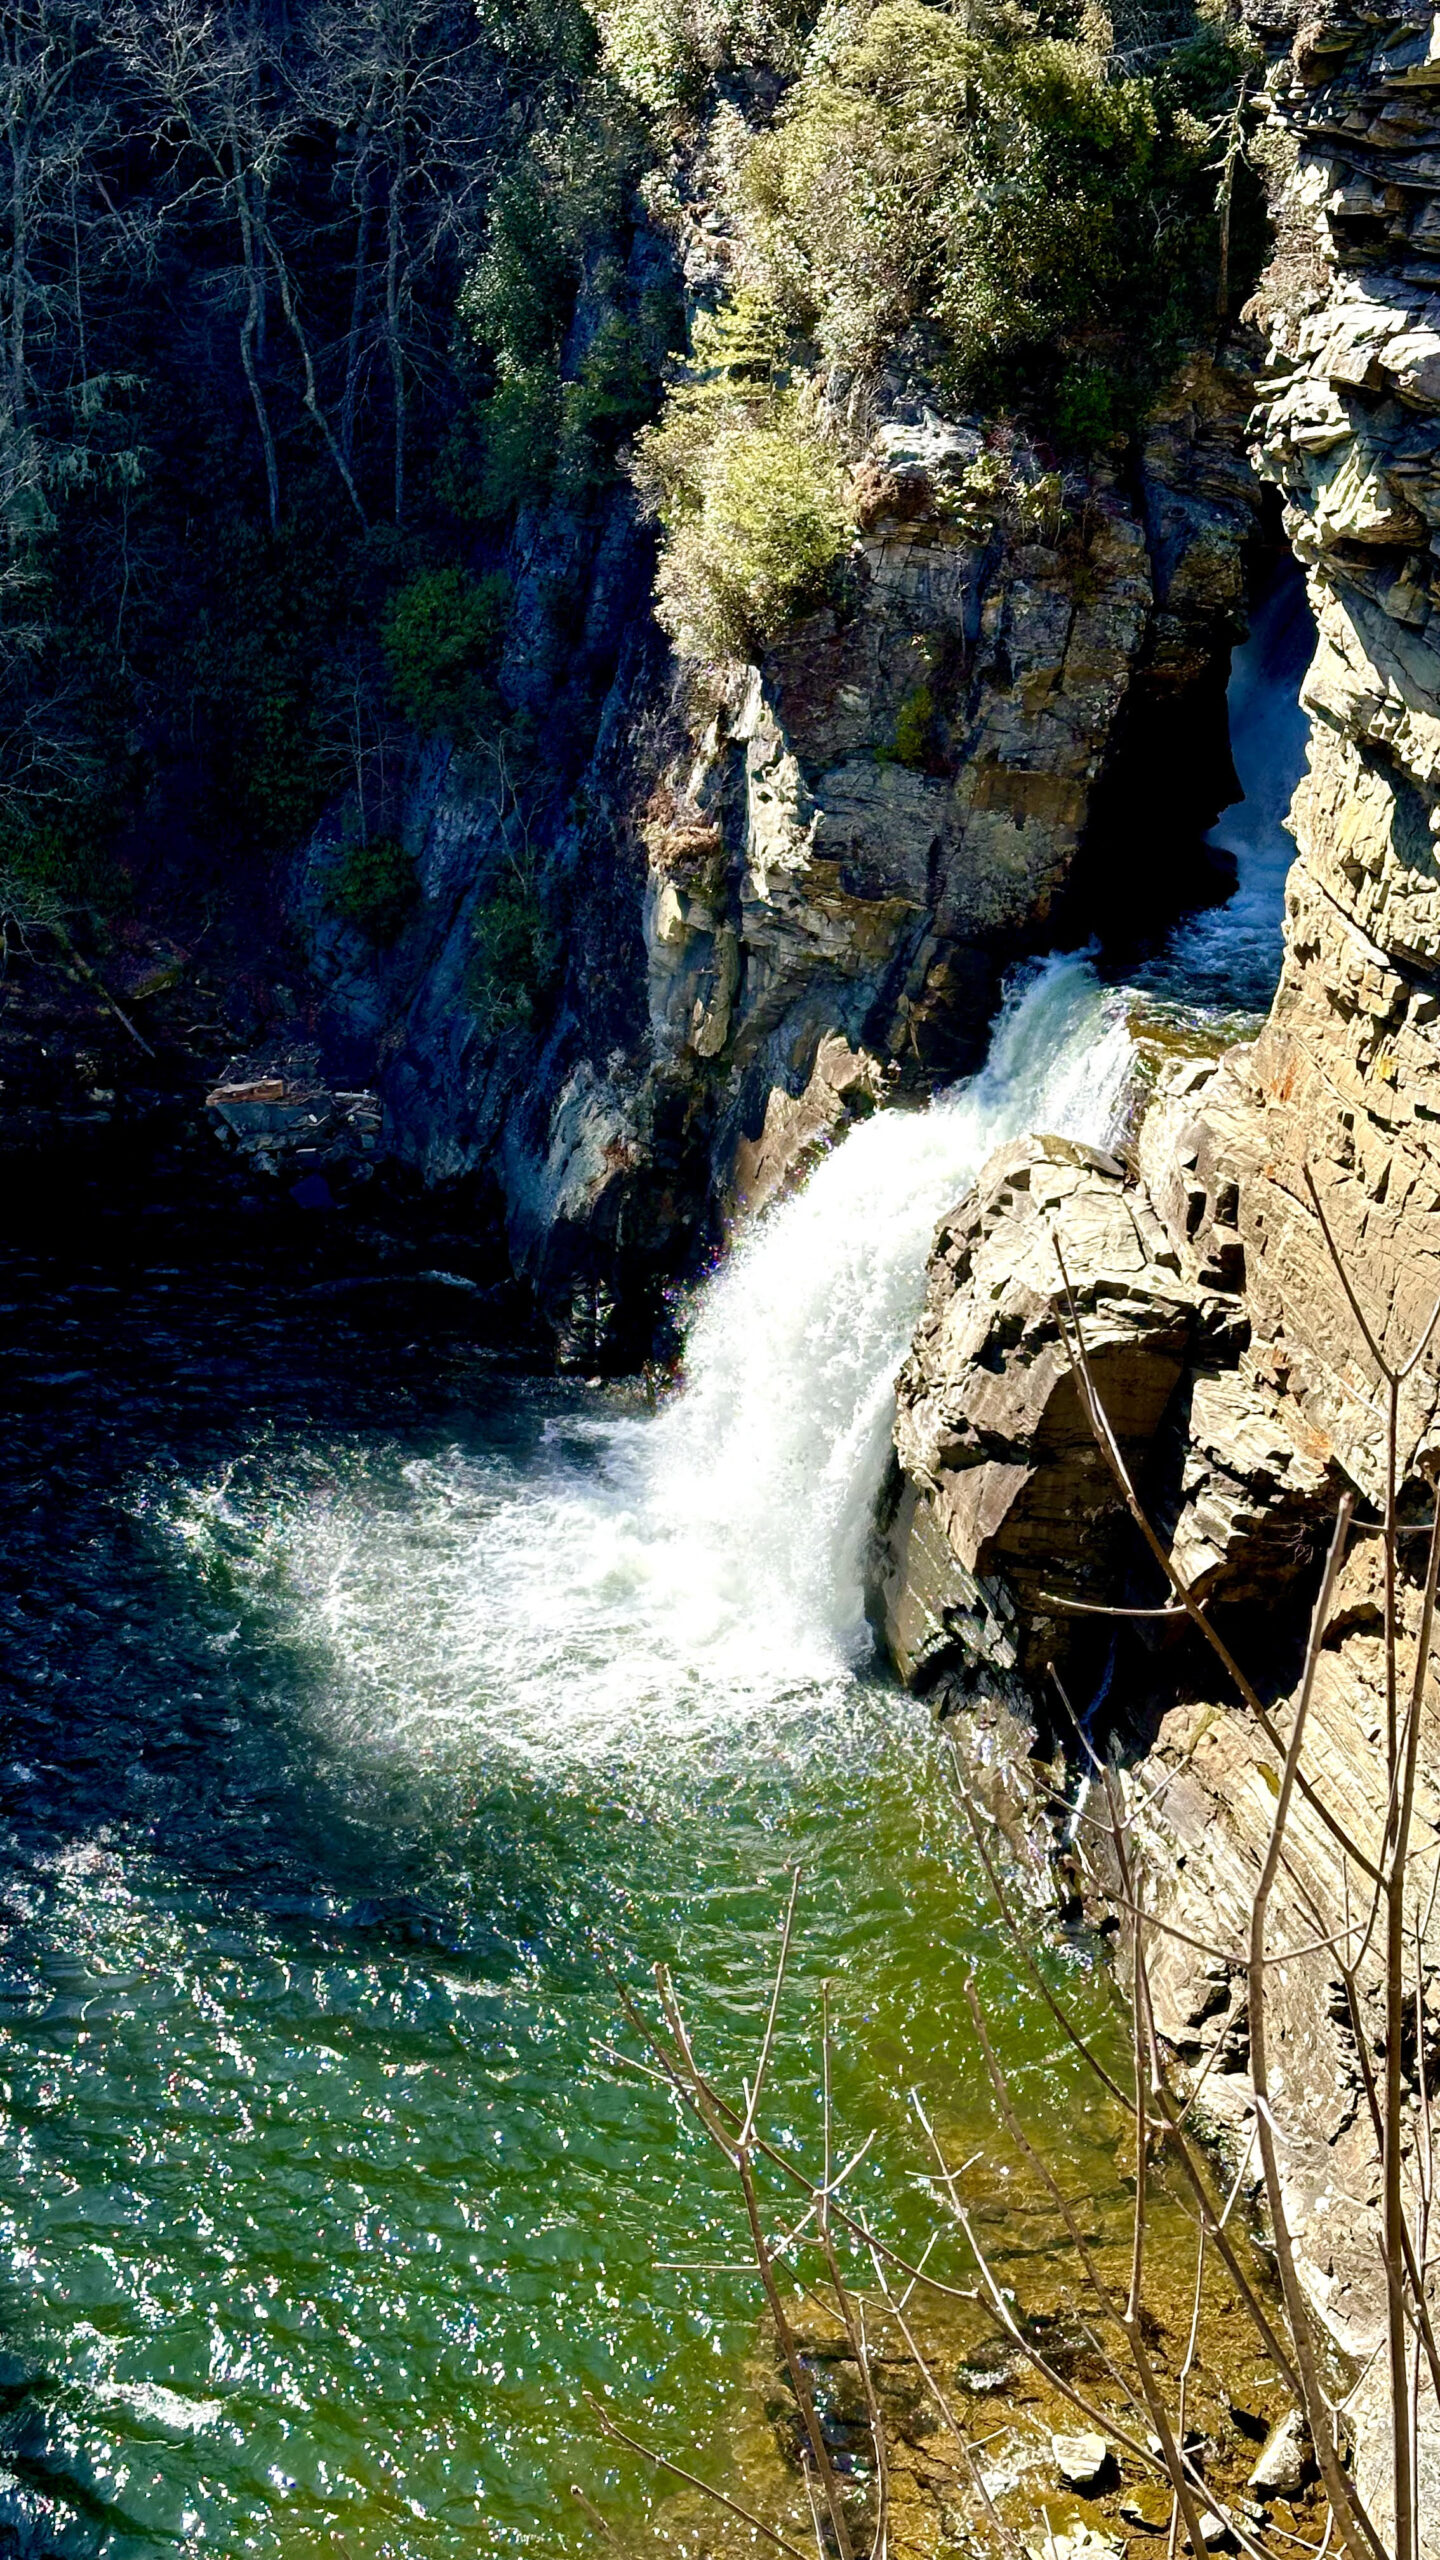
(247, 504)
(304, 302)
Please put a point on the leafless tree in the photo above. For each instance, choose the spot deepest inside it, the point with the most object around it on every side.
(402, 82)
(829, 2249)
(202, 69)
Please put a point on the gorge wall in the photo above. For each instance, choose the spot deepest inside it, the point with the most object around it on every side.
(611, 936)
(1206, 1286)
(794, 887)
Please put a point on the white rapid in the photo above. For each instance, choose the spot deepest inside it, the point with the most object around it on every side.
(626, 1585)
(773, 1454)
(1229, 956)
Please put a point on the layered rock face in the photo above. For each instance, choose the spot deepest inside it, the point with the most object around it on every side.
(1344, 1079)
(791, 887)
(1280, 1402)
(1346, 1075)
(862, 834)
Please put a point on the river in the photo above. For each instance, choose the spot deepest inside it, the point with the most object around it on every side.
(371, 1706)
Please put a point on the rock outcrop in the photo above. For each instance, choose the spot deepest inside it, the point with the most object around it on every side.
(1345, 1077)
(1001, 1500)
(790, 887)
(1342, 1089)
(1002, 1531)
(1337, 1102)
(859, 836)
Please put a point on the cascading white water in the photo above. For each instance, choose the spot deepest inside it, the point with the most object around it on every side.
(774, 1452)
(1229, 956)
(643, 1581)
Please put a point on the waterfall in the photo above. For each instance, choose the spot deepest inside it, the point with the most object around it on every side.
(776, 1448)
(1229, 956)
(624, 1584)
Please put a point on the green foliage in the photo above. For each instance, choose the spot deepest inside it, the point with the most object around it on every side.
(441, 637)
(202, 534)
(615, 390)
(534, 430)
(516, 303)
(549, 45)
(1045, 225)
(757, 525)
(256, 662)
(564, 192)
(1025, 221)
(914, 728)
(739, 351)
(1089, 406)
(374, 887)
(665, 53)
(749, 487)
(841, 198)
(992, 491)
(658, 53)
(57, 862)
(514, 959)
(502, 452)
(536, 422)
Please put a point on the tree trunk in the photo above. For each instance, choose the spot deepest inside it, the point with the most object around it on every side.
(252, 335)
(394, 245)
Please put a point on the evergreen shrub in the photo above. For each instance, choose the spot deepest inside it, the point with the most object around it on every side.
(374, 887)
(514, 959)
(1043, 218)
(750, 488)
(442, 635)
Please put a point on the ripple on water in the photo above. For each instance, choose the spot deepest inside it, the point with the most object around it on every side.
(352, 1762)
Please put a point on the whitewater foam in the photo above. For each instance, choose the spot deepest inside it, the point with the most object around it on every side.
(774, 1452)
(627, 1584)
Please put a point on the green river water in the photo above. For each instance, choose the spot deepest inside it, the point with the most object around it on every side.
(371, 1711)
(372, 1707)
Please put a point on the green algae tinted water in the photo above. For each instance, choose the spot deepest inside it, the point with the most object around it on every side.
(369, 1714)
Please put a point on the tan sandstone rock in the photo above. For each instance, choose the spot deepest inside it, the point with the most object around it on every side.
(1004, 1498)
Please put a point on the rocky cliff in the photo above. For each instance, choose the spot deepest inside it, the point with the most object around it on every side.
(1279, 1402)
(789, 887)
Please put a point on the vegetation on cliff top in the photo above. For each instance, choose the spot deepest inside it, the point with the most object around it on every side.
(1003, 210)
(304, 310)
(1037, 218)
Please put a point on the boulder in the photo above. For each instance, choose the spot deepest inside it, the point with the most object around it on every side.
(1077, 2541)
(1216, 2533)
(1148, 2510)
(1285, 2460)
(1001, 1499)
(1084, 2460)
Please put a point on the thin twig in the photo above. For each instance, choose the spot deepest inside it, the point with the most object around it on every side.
(647, 2452)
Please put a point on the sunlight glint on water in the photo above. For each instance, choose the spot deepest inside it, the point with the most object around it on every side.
(323, 2201)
